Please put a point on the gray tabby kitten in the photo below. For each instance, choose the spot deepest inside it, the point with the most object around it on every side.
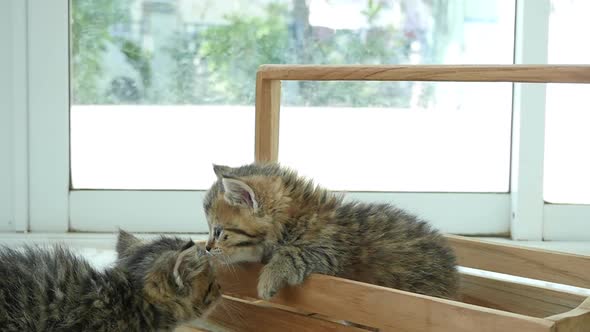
(266, 213)
(153, 286)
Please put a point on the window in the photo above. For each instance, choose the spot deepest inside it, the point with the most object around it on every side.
(119, 111)
(153, 104)
(163, 89)
(453, 144)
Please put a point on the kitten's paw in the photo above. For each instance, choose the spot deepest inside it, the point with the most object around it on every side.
(266, 291)
(269, 284)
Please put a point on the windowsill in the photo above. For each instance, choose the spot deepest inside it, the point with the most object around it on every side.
(106, 241)
(100, 241)
(98, 248)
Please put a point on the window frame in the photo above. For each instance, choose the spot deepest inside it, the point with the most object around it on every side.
(43, 200)
(48, 114)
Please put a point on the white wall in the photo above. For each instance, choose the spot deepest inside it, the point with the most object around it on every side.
(5, 116)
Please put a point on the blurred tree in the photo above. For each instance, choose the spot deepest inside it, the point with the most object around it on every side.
(234, 51)
(93, 22)
(374, 44)
(138, 59)
(216, 64)
(182, 50)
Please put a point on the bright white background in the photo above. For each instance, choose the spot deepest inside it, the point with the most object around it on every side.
(157, 147)
(362, 149)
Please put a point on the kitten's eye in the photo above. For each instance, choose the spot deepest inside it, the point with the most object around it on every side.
(216, 232)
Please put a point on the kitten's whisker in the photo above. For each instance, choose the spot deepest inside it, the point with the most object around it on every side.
(227, 309)
(223, 260)
(240, 314)
(222, 306)
(236, 310)
(228, 264)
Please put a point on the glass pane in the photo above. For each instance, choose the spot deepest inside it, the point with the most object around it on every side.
(458, 142)
(162, 89)
(567, 161)
(376, 136)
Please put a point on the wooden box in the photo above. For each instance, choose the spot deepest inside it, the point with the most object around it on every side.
(323, 303)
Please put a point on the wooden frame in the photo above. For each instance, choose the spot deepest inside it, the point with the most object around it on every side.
(268, 87)
(322, 303)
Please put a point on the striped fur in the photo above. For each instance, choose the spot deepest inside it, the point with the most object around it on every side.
(51, 289)
(270, 214)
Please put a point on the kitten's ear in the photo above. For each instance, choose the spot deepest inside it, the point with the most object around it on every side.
(221, 170)
(125, 242)
(237, 192)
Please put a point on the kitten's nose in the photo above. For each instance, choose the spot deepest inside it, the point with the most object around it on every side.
(208, 247)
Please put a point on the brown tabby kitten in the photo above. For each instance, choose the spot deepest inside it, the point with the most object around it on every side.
(266, 213)
(153, 286)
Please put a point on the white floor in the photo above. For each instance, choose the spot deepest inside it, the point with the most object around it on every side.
(107, 241)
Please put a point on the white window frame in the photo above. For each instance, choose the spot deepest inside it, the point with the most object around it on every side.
(14, 210)
(48, 120)
(44, 202)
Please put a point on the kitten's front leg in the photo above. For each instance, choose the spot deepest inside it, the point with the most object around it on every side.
(287, 266)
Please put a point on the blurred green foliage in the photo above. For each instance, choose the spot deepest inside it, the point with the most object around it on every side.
(217, 64)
